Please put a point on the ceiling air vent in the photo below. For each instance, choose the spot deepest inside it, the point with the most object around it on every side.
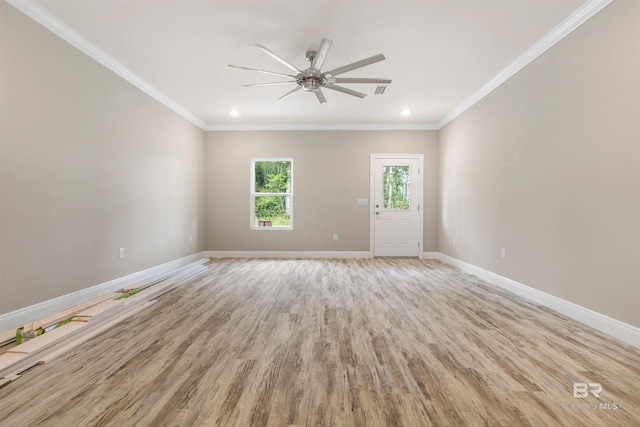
(380, 90)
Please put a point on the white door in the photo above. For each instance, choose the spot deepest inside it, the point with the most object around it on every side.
(396, 205)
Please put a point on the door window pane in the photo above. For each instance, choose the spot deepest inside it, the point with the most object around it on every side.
(397, 185)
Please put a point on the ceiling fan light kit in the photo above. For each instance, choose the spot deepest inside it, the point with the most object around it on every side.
(313, 79)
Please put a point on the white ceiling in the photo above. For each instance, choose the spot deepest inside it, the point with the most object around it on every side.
(439, 53)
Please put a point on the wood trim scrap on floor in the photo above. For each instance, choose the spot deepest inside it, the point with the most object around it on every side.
(44, 339)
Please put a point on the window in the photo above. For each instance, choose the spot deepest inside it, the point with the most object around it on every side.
(396, 181)
(272, 194)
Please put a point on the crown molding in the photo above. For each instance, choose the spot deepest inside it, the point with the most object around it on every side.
(71, 36)
(45, 18)
(327, 126)
(576, 19)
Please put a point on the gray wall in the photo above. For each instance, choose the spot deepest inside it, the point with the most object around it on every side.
(89, 164)
(548, 166)
(331, 171)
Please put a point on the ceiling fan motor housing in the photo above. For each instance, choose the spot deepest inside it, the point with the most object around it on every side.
(311, 84)
(311, 80)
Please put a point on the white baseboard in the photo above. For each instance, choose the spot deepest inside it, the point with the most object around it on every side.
(431, 255)
(288, 254)
(17, 318)
(621, 330)
(606, 324)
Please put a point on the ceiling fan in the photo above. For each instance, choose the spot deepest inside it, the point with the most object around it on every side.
(313, 79)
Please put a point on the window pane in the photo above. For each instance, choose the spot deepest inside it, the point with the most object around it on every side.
(272, 211)
(397, 185)
(273, 176)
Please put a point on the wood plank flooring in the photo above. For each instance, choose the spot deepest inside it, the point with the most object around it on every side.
(376, 342)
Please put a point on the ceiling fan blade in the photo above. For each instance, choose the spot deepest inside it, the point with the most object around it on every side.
(321, 55)
(357, 80)
(277, 58)
(270, 84)
(290, 92)
(358, 64)
(345, 90)
(320, 96)
(262, 71)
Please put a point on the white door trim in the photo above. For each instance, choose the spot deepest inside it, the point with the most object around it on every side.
(372, 158)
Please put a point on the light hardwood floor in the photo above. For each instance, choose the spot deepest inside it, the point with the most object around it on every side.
(334, 343)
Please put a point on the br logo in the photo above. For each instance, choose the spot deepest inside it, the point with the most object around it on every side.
(582, 390)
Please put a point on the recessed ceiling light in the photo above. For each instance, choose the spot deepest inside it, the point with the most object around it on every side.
(406, 112)
(234, 113)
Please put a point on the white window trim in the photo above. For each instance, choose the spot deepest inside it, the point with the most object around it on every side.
(253, 194)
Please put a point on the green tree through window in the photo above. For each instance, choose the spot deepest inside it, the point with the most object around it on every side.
(396, 183)
(272, 193)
